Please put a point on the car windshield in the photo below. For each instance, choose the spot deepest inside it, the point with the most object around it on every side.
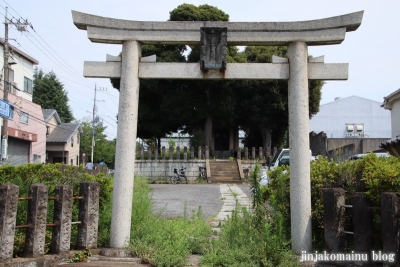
(275, 157)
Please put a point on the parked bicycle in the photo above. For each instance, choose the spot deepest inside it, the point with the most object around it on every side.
(203, 174)
(180, 176)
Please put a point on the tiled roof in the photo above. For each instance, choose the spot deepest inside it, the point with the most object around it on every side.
(48, 113)
(63, 133)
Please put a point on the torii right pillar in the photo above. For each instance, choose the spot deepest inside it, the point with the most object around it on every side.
(299, 143)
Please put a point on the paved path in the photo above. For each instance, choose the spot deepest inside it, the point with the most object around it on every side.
(217, 202)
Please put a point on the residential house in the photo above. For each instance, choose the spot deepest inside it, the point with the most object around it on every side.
(392, 103)
(63, 139)
(25, 127)
(353, 124)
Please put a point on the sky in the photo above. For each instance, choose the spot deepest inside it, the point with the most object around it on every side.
(372, 51)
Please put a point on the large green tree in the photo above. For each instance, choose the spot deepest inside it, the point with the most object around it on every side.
(201, 107)
(104, 149)
(49, 93)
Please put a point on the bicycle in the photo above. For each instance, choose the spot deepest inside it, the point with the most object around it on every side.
(179, 175)
(203, 174)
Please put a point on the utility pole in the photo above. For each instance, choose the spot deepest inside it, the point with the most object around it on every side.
(7, 85)
(4, 131)
(94, 115)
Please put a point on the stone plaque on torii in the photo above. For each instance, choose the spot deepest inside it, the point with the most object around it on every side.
(297, 36)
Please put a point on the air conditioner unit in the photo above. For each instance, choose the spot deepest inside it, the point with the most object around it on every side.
(349, 128)
(359, 128)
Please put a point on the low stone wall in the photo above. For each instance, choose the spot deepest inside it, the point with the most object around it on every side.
(163, 169)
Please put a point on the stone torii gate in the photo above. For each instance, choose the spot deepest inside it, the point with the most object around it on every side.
(297, 69)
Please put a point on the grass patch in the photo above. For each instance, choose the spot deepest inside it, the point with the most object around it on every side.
(164, 242)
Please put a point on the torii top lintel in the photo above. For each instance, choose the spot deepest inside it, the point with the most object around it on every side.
(314, 32)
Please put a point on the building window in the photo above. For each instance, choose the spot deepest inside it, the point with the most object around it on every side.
(72, 141)
(78, 138)
(28, 85)
(9, 86)
(47, 130)
(77, 160)
(72, 162)
(11, 113)
(36, 158)
(24, 117)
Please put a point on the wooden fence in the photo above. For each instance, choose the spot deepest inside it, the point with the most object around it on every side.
(36, 220)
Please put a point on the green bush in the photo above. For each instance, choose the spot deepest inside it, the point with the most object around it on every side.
(371, 174)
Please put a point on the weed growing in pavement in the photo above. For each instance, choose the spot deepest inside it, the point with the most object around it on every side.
(254, 238)
(164, 242)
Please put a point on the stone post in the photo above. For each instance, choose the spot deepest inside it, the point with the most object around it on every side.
(178, 152)
(156, 154)
(185, 153)
(260, 153)
(299, 144)
(253, 153)
(171, 152)
(8, 218)
(246, 153)
(192, 152)
(60, 242)
(334, 219)
(199, 152)
(390, 222)
(37, 212)
(163, 152)
(126, 145)
(89, 215)
(362, 224)
(141, 153)
(207, 153)
(148, 153)
(239, 153)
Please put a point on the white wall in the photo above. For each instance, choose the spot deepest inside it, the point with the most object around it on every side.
(333, 117)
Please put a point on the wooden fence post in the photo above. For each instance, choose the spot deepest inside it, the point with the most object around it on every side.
(260, 153)
(60, 242)
(192, 152)
(334, 219)
(163, 152)
(239, 153)
(390, 222)
(207, 153)
(156, 154)
(37, 212)
(178, 152)
(8, 217)
(88, 215)
(199, 152)
(246, 153)
(185, 153)
(253, 153)
(362, 224)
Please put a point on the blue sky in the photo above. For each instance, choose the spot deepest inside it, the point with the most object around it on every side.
(373, 51)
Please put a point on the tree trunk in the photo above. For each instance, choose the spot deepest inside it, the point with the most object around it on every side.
(208, 131)
(266, 136)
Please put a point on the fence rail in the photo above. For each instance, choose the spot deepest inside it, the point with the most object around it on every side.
(36, 220)
(362, 217)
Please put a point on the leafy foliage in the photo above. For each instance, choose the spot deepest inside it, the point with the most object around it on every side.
(371, 174)
(49, 93)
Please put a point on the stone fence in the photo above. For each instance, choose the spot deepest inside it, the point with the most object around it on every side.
(362, 232)
(38, 199)
(202, 153)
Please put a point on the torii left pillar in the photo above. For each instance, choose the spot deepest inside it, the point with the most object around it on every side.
(126, 145)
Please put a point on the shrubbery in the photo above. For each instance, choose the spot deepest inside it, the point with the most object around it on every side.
(371, 174)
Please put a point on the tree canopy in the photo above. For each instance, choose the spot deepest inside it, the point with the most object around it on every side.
(200, 107)
(49, 93)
